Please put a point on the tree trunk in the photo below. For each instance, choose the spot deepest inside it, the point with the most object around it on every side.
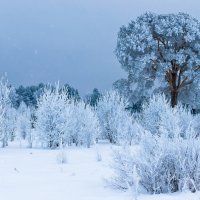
(174, 78)
(174, 98)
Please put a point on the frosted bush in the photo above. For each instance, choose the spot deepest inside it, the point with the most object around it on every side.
(24, 124)
(158, 117)
(7, 113)
(163, 165)
(62, 157)
(86, 125)
(152, 112)
(168, 158)
(98, 154)
(123, 168)
(118, 126)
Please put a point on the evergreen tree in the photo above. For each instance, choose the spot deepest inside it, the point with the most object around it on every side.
(93, 98)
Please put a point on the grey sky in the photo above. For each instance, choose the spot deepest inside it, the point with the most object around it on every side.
(70, 40)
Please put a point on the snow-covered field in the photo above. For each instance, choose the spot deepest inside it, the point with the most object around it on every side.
(34, 174)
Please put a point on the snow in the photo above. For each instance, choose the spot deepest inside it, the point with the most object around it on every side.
(34, 174)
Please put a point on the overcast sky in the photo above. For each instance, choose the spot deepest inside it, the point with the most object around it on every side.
(70, 40)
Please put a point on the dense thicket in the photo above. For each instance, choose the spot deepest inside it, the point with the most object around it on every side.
(167, 159)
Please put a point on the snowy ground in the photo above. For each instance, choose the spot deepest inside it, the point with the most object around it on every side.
(34, 174)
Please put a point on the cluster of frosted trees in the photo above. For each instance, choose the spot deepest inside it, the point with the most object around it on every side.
(14, 124)
(7, 113)
(160, 146)
(60, 121)
(167, 159)
(118, 125)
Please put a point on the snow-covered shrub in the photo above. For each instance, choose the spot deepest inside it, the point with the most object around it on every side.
(163, 165)
(196, 124)
(8, 117)
(152, 112)
(158, 117)
(123, 164)
(62, 157)
(23, 121)
(98, 154)
(168, 158)
(10, 123)
(117, 124)
(1, 120)
(170, 165)
(86, 127)
(53, 117)
(25, 124)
